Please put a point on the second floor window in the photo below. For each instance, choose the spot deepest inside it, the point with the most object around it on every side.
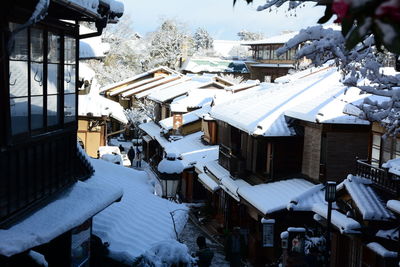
(40, 98)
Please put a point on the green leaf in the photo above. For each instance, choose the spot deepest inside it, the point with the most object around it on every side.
(327, 16)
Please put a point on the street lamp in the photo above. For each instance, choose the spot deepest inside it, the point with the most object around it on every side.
(330, 196)
(170, 169)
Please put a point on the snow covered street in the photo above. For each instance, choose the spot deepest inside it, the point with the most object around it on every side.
(189, 236)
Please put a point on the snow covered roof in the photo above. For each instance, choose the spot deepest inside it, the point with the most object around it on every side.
(394, 205)
(214, 65)
(340, 220)
(141, 219)
(216, 170)
(115, 7)
(393, 165)
(137, 77)
(232, 186)
(382, 251)
(70, 209)
(367, 201)
(196, 98)
(170, 166)
(187, 118)
(92, 47)
(262, 113)
(278, 39)
(162, 87)
(98, 106)
(154, 84)
(192, 150)
(275, 196)
(392, 234)
(130, 86)
(328, 104)
(154, 131)
(306, 200)
(171, 92)
(208, 182)
(85, 72)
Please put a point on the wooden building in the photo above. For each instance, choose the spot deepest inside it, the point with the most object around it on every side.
(39, 157)
(266, 66)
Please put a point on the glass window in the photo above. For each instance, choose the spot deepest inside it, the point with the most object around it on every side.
(70, 51)
(53, 115)
(19, 115)
(18, 78)
(37, 45)
(53, 54)
(53, 83)
(69, 108)
(69, 78)
(20, 44)
(37, 112)
(36, 78)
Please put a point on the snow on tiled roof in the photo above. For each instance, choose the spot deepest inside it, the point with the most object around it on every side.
(192, 150)
(140, 219)
(196, 98)
(393, 165)
(262, 113)
(340, 220)
(208, 182)
(190, 117)
(391, 234)
(216, 170)
(130, 86)
(175, 90)
(274, 196)
(278, 39)
(306, 200)
(162, 87)
(382, 251)
(367, 201)
(153, 130)
(232, 186)
(92, 5)
(136, 77)
(214, 65)
(98, 105)
(328, 104)
(68, 210)
(394, 205)
(154, 84)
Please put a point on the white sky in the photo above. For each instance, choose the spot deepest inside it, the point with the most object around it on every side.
(219, 17)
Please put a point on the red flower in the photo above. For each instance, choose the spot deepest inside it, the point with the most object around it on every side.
(389, 9)
(340, 8)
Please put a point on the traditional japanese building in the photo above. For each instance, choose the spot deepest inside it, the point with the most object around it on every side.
(43, 204)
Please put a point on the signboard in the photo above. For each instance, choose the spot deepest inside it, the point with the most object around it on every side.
(268, 235)
(177, 121)
(80, 244)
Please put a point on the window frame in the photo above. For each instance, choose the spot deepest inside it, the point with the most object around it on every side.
(63, 30)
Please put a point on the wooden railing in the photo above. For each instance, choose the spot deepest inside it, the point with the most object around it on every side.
(381, 177)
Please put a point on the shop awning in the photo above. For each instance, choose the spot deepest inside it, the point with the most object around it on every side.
(69, 210)
(208, 182)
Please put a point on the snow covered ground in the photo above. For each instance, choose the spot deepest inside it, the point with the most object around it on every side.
(140, 220)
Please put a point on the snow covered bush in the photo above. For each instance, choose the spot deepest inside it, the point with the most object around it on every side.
(165, 254)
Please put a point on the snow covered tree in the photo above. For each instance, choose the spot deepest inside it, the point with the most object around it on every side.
(249, 36)
(168, 46)
(122, 60)
(359, 19)
(202, 40)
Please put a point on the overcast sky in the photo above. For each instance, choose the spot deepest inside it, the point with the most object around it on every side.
(219, 17)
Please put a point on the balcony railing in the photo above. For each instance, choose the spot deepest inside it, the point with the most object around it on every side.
(381, 177)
